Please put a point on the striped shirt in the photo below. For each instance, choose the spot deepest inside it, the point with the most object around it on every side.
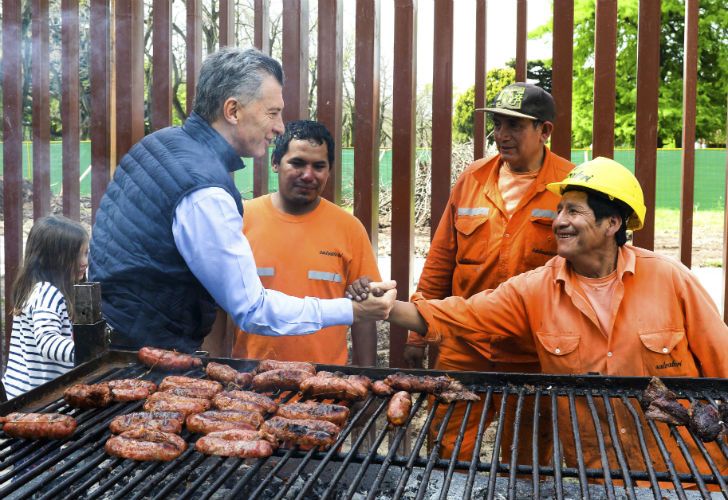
(41, 346)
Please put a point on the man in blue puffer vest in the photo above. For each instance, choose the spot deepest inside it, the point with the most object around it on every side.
(167, 244)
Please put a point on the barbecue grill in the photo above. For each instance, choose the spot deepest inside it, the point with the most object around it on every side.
(371, 459)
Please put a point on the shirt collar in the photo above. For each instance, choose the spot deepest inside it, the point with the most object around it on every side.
(198, 128)
(625, 264)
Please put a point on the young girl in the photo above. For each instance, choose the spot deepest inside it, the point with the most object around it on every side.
(41, 347)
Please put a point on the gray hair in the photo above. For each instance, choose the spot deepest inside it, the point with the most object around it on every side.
(232, 72)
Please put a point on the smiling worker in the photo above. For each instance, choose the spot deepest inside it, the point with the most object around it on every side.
(304, 245)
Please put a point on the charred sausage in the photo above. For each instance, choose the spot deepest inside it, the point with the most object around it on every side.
(145, 445)
(88, 396)
(414, 383)
(216, 420)
(336, 414)
(333, 387)
(306, 433)
(190, 387)
(280, 380)
(38, 425)
(266, 365)
(381, 389)
(226, 401)
(399, 408)
(228, 375)
(266, 403)
(163, 359)
(237, 443)
(131, 389)
(164, 421)
(163, 401)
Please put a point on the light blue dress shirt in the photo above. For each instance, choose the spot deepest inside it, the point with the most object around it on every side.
(208, 232)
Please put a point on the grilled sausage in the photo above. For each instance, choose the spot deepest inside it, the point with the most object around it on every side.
(163, 401)
(164, 421)
(237, 443)
(227, 374)
(190, 387)
(365, 381)
(381, 389)
(336, 414)
(333, 387)
(413, 383)
(280, 380)
(38, 425)
(399, 408)
(305, 433)
(145, 445)
(266, 403)
(266, 365)
(88, 396)
(167, 360)
(226, 401)
(131, 389)
(215, 421)
(457, 392)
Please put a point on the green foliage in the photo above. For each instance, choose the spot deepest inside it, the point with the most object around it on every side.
(462, 120)
(712, 72)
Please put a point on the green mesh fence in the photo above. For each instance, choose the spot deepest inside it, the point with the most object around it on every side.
(710, 172)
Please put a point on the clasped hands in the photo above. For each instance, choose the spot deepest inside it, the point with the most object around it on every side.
(372, 300)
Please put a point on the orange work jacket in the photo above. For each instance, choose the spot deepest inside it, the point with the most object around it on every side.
(664, 324)
(477, 247)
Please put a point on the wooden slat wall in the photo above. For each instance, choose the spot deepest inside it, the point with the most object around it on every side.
(161, 115)
(129, 71)
(521, 33)
(648, 84)
(227, 23)
(99, 119)
(194, 49)
(403, 162)
(262, 43)
(366, 117)
(41, 110)
(329, 85)
(690, 80)
(605, 54)
(725, 228)
(481, 14)
(69, 109)
(12, 155)
(295, 59)
(562, 76)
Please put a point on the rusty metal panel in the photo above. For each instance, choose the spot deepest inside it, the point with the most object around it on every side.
(194, 49)
(561, 85)
(690, 80)
(481, 14)
(227, 23)
(403, 161)
(329, 85)
(648, 84)
(161, 64)
(41, 110)
(261, 165)
(69, 109)
(295, 59)
(442, 55)
(12, 155)
(521, 34)
(605, 55)
(129, 68)
(366, 117)
(99, 114)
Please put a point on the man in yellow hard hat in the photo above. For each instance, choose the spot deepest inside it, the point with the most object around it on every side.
(599, 306)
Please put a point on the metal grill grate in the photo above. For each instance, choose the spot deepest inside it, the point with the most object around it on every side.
(371, 460)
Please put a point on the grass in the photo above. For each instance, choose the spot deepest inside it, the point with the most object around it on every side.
(711, 221)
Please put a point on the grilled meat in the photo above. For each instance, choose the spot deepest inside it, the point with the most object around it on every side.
(381, 389)
(226, 400)
(131, 389)
(363, 380)
(266, 365)
(656, 389)
(38, 425)
(163, 401)
(723, 411)
(190, 387)
(331, 386)
(167, 360)
(413, 383)
(280, 380)
(336, 414)
(305, 433)
(88, 396)
(667, 410)
(164, 421)
(266, 403)
(216, 420)
(237, 443)
(457, 392)
(227, 374)
(145, 445)
(704, 421)
(399, 408)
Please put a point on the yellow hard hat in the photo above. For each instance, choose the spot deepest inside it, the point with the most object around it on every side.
(612, 179)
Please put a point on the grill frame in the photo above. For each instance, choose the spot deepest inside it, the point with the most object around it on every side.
(60, 474)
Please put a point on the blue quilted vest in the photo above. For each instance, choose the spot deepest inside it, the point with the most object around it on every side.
(149, 295)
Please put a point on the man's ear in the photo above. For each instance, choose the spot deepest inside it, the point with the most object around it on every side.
(274, 167)
(546, 129)
(614, 222)
(230, 110)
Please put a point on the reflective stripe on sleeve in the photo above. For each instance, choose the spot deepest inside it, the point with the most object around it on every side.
(266, 271)
(540, 212)
(324, 276)
(473, 210)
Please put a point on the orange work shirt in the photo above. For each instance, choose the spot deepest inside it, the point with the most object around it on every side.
(317, 255)
(477, 246)
(664, 324)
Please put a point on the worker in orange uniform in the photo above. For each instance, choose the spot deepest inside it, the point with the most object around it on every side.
(497, 224)
(601, 307)
(305, 245)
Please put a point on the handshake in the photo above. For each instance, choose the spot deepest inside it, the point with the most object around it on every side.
(372, 300)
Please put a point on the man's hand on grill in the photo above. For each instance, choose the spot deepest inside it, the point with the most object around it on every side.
(414, 356)
(378, 304)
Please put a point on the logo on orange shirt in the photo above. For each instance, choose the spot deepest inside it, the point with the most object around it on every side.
(330, 253)
(672, 364)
